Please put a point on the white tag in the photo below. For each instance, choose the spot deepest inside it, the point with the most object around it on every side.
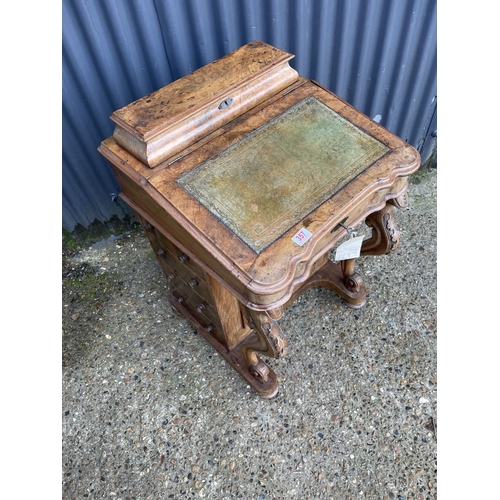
(349, 249)
(302, 236)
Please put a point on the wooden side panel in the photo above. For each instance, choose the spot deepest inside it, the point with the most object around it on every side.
(229, 312)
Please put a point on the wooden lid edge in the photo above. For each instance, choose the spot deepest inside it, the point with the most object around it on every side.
(115, 117)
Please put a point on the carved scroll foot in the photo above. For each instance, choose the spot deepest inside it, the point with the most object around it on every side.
(385, 234)
(259, 375)
(268, 341)
(352, 281)
(260, 371)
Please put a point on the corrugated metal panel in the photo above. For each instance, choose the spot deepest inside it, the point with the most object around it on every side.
(379, 55)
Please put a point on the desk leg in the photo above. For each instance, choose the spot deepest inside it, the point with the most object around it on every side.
(385, 233)
(268, 341)
(354, 284)
(259, 376)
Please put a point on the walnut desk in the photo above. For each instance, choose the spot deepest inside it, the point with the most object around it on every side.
(244, 176)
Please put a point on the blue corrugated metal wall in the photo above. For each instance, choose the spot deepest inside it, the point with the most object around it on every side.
(379, 55)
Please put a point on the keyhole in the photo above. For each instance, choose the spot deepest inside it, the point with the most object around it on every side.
(225, 103)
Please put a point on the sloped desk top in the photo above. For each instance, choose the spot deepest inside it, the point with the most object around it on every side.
(273, 178)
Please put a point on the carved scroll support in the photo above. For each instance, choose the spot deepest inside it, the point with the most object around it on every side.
(400, 201)
(270, 341)
(385, 233)
(351, 279)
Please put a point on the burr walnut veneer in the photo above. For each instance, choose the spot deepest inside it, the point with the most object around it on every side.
(244, 176)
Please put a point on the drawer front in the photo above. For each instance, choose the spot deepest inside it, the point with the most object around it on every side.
(186, 280)
(160, 243)
(179, 258)
(203, 305)
(212, 327)
(357, 214)
(199, 295)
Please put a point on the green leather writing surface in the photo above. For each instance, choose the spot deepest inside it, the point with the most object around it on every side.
(268, 181)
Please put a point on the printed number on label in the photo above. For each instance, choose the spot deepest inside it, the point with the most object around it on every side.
(302, 236)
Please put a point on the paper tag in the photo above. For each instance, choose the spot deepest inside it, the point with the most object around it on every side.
(302, 236)
(349, 249)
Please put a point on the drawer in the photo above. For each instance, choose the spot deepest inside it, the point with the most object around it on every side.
(203, 305)
(160, 242)
(212, 327)
(178, 275)
(186, 281)
(179, 258)
(358, 214)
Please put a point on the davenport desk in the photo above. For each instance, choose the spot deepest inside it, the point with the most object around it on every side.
(244, 176)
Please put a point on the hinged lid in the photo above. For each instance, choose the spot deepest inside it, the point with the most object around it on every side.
(159, 125)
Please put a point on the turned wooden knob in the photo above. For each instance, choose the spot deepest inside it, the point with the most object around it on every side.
(183, 257)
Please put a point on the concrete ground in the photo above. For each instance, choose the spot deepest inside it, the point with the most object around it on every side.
(151, 411)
